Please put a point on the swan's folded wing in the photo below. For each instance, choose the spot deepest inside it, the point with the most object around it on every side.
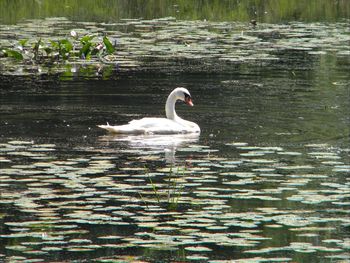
(157, 126)
(153, 126)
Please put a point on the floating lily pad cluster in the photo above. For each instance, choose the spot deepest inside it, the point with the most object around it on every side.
(266, 203)
(171, 45)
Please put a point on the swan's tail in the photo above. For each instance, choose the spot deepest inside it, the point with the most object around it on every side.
(121, 129)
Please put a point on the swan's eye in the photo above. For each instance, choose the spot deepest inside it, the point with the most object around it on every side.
(187, 96)
(188, 99)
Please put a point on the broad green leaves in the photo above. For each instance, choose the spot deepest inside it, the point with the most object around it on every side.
(13, 54)
(85, 48)
(110, 48)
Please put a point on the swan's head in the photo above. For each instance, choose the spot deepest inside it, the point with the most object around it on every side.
(184, 95)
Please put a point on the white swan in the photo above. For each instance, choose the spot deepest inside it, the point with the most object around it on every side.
(172, 124)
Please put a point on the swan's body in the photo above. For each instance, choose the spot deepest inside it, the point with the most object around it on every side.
(172, 124)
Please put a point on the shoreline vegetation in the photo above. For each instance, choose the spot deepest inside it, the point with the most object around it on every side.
(264, 11)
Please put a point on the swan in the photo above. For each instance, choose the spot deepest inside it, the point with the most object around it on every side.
(172, 124)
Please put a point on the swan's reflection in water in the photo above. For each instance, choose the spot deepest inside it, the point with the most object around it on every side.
(167, 143)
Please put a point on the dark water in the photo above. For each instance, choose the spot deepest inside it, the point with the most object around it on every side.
(267, 178)
(274, 104)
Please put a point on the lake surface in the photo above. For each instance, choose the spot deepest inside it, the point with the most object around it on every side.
(267, 180)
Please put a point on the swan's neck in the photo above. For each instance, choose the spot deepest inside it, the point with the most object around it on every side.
(170, 107)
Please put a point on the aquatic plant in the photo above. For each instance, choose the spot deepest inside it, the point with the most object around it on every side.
(61, 49)
(173, 193)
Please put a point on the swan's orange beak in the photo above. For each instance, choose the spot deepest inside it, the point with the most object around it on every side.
(188, 101)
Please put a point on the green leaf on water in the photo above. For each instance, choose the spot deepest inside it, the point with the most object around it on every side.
(67, 45)
(110, 48)
(85, 50)
(54, 44)
(22, 42)
(13, 54)
(86, 39)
